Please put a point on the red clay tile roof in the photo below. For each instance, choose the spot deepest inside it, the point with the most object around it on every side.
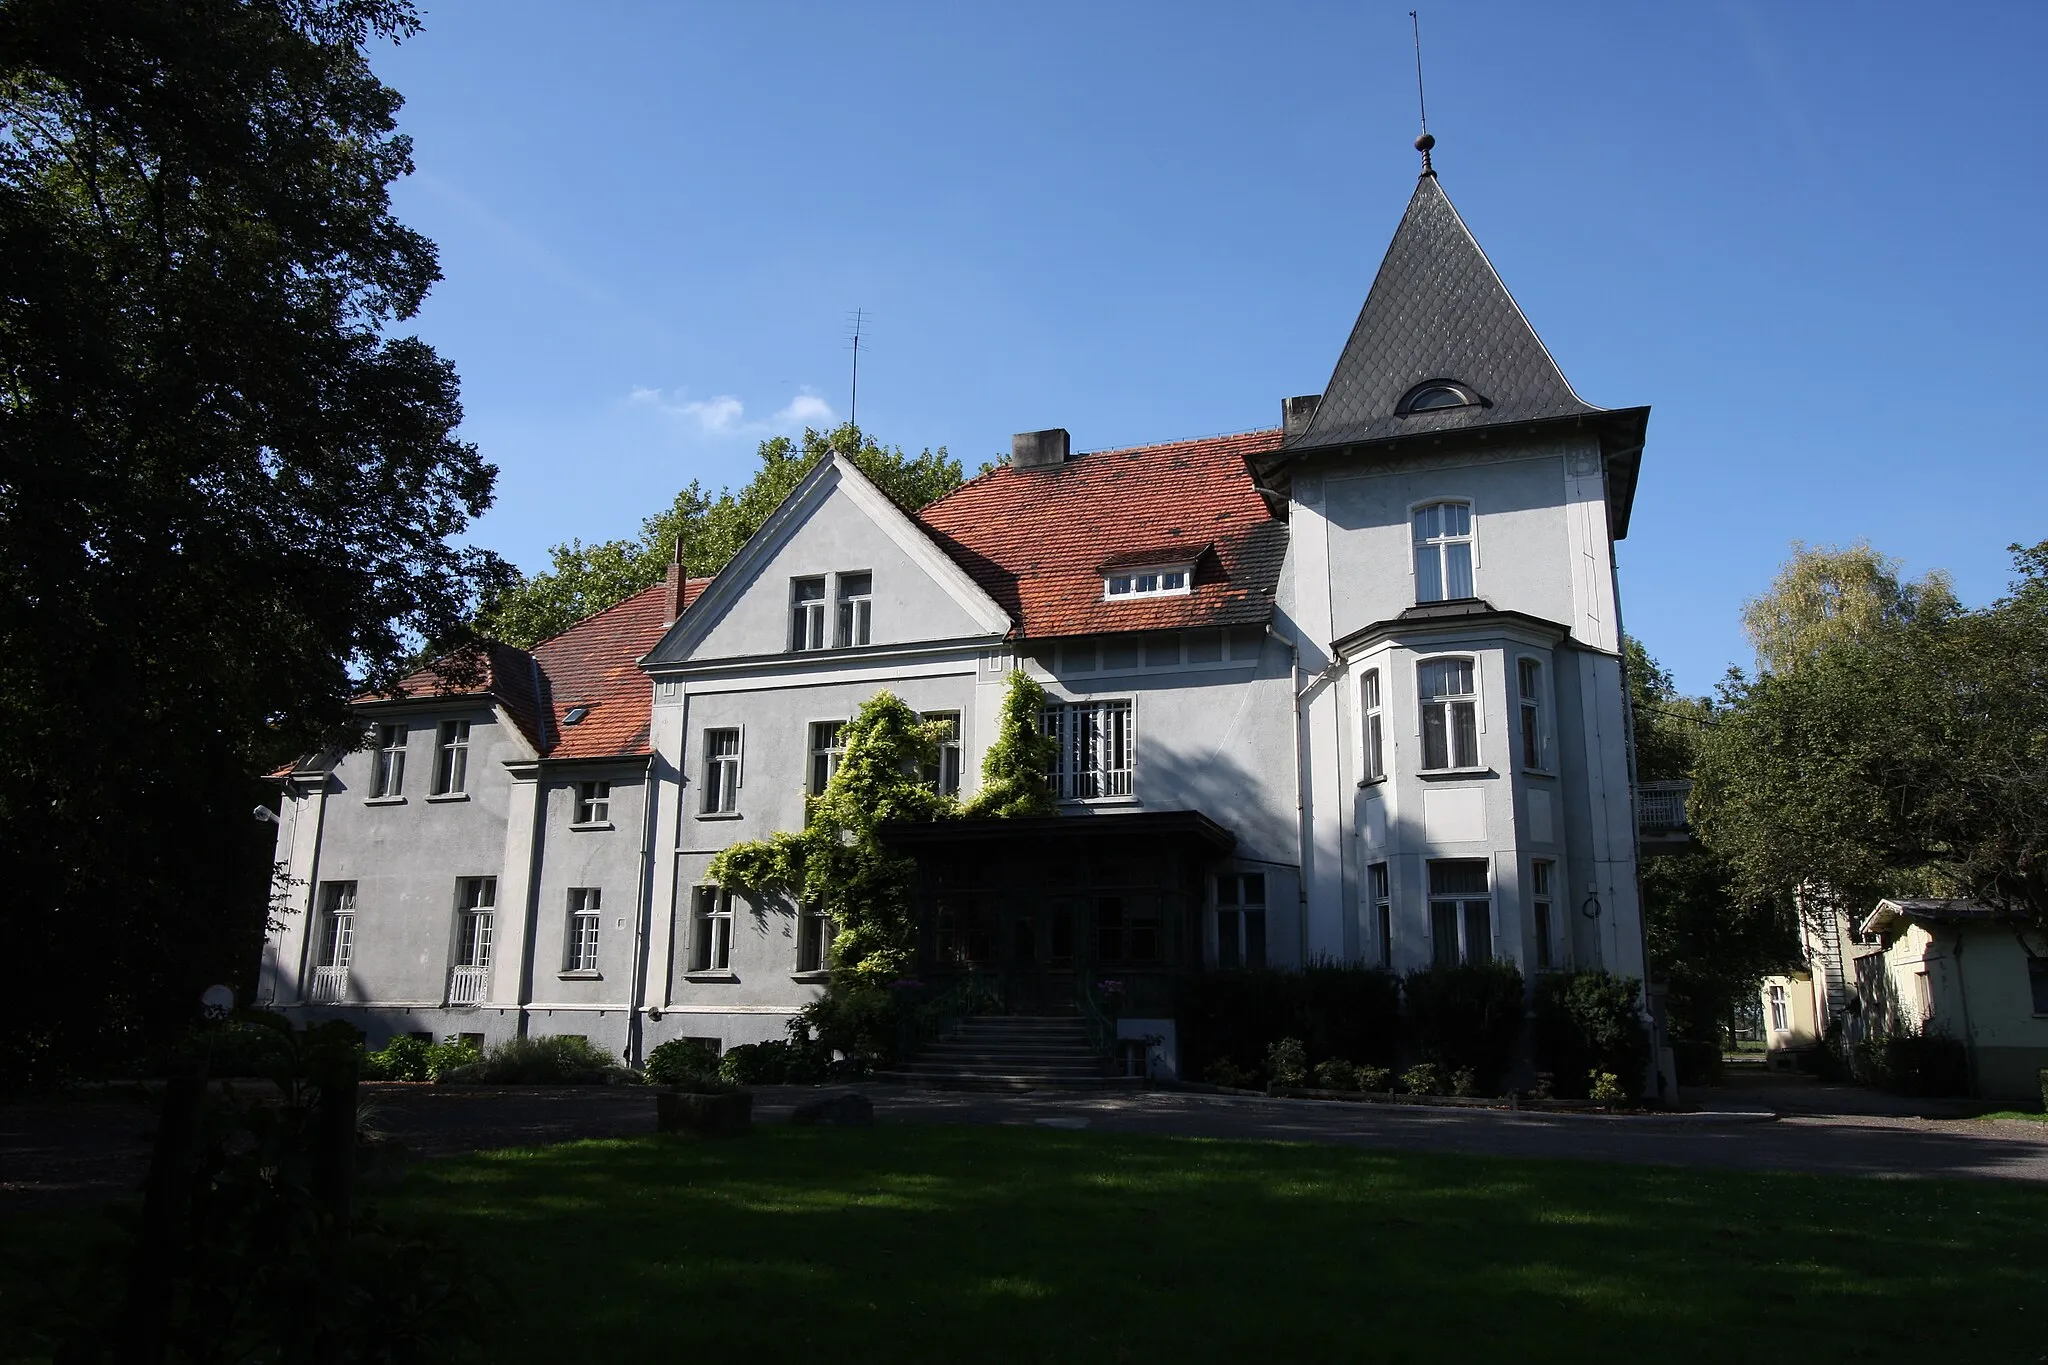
(596, 664)
(1036, 540)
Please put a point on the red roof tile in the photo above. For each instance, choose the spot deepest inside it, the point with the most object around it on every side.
(596, 664)
(1037, 540)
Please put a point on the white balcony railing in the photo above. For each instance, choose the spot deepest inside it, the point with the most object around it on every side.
(1661, 807)
(466, 985)
(330, 984)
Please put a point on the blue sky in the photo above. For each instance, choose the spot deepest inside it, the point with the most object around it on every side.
(1808, 236)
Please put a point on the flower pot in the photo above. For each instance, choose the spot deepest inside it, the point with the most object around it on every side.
(727, 1115)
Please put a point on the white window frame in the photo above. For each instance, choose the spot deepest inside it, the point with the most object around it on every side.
(1780, 1008)
(451, 758)
(723, 771)
(710, 929)
(1464, 902)
(387, 780)
(823, 760)
(1532, 714)
(1372, 726)
(814, 934)
(593, 803)
(1105, 726)
(1449, 701)
(853, 612)
(337, 948)
(945, 778)
(585, 930)
(1148, 580)
(1543, 913)
(1437, 544)
(1379, 890)
(476, 908)
(1232, 917)
(806, 614)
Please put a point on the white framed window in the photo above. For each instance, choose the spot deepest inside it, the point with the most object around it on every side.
(593, 803)
(1535, 739)
(1443, 551)
(1097, 747)
(1241, 919)
(721, 771)
(667, 691)
(828, 747)
(1923, 996)
(586, 913)
(1380, 887)
(337, 925)
(1460, 912)
(856, 593)
(1373, 747)
(1781, 1013)
(1539, 894)
(389, 777)
(711, 929)
(813, 939)
(476, 901)
(1450, 713)
(451, 758)
(806, 613)
(944, 776)
(1175, 580)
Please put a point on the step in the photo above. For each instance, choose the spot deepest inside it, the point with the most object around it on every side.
(1012, 1046)
(1007, 1081)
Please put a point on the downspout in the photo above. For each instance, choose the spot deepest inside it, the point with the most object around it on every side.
(637, 994)
(1300, 804)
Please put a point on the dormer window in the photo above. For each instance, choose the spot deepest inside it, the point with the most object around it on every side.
(1153, 582)
(1436, 395)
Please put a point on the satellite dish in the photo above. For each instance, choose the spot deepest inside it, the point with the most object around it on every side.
(217, 1002)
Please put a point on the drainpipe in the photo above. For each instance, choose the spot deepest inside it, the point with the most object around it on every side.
(1300, 803)
(636, 995)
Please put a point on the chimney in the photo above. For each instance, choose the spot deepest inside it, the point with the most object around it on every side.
(1297, 413)
(674, 581)
(1039, 449)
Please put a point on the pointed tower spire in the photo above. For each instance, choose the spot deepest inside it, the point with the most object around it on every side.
(1425, 141)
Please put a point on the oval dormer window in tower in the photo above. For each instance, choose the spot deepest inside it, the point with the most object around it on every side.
(1435, 395)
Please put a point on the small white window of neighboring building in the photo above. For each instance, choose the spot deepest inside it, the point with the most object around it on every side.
(586, 910)
(389, 778)
(451, 758)
(1460, 912)
(828, 746)
(1529, 682)
(806, 613)
(593, 803)
(711, 930)
(1241, 919)
(1380, 887)
(1176, 580)
(1375, 725)
(1781, 1014)
(813, 939)
(1539, 889)
(945, 777)
(1443, 552)
(721, 771)
(856, 608)
(1450, 714)
(1097, 746)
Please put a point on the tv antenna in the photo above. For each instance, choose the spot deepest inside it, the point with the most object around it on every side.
(1424, 142)
(853, 403)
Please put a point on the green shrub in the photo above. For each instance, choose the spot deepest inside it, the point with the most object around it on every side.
(2042, 1077)
(679, 1061)
(1336, 1011)
(558, 1059)
(1422, 1079)
(1926, 1065)
(1467, 1017)
(857, 1018)
(1375, 1079)
(1604, 1087)
(1336, 1074)
(771, 1063)
(1590, 1021)
(1287, 1063)
(404, 1058)
(1228, 1074)
(1464, 1083)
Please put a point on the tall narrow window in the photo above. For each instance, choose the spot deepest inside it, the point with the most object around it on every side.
(856, 608)
(451, 758)
(1097, 748)
(389, 779)
(944, 775)
(1381, 888)
(1529, 678)
(1375, 725)
(1450, 714)
(807, 613)
(1443, 552)
(337, 944)
(586, 906)
(476, 903)
(1460, 912)
(721, 771)
(828, 746)
(1241, 919)
(1781, 1016)
(711, 930)
(1539, 888)
(813, 939)
(593, 803)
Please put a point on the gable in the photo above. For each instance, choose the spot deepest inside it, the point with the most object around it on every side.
(836, 522)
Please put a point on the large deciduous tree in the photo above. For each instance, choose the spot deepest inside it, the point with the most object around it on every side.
(583, 579)
(230, 495)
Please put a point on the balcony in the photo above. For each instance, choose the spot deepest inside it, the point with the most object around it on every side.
(1660, 813)
(468, 985)
(330, 985)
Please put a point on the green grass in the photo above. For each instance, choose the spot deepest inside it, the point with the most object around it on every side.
(908, 1244)
(2029, 1115)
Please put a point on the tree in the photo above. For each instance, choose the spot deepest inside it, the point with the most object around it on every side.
(1824, 595)
(1667, 723)
(1017, 773)
(588, 578)
(230, 496)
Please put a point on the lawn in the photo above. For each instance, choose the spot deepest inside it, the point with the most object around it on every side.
(912, 1244)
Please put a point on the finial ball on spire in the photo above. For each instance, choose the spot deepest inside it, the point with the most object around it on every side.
(1424, 143)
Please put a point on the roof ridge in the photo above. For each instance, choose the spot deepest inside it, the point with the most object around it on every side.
(582, 621)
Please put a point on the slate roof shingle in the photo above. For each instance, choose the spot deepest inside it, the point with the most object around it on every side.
(1036, 539)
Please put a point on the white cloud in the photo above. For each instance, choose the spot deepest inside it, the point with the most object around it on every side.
(726, 415)
(806, 410)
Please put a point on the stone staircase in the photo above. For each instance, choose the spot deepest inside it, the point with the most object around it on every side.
(1013, 1052)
